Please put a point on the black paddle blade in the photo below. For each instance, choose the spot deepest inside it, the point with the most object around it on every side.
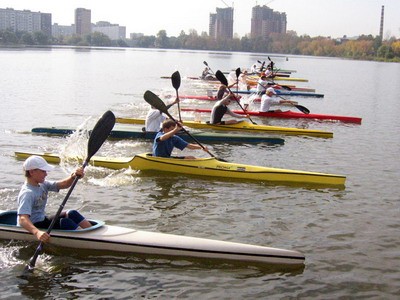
(221, 77)
(238, 71)
(204, 62)
(176, 80)
(303, 109)
(155, 101)
(100, 133)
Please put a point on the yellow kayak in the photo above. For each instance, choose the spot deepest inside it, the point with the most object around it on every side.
(209, 167)
(243, 126)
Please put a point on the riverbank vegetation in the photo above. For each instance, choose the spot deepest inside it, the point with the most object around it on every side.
(365, 47)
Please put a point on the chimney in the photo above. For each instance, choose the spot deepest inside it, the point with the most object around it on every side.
(381, 27)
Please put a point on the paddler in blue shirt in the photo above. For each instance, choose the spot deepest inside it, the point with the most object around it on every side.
(166, 140)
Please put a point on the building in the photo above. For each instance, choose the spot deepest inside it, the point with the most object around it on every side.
(25, 20)
(221, 23)
(265, 21)
(83, 21)
(63, 30)
(113, 31)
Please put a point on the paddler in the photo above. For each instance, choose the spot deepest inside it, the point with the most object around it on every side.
(220, 109)
(166, 140)
(32, 200)
(267, 101)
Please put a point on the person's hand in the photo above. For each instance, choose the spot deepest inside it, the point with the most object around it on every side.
(42, 236)
(178, 126)
(79, 172)
(177, 100)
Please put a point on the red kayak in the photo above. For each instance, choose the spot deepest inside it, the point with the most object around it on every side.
(287, 115)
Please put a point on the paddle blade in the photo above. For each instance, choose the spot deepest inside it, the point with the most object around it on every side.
(303, 109)
(221, 77)
(176, 80)
(204, 62)
(100, 133)
(155, 101)
(238, 71)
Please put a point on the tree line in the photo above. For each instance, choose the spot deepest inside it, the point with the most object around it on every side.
(366, 47)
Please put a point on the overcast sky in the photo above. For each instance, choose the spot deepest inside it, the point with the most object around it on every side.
(333, 18)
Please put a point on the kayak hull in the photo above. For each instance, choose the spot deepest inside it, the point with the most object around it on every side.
(243, 126)
(208, 167)
(132, 133)
(287, 115)
(126, 240)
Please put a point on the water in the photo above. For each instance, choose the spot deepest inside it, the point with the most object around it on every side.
(350, 237)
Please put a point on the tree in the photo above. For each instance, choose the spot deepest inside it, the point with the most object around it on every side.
(100, 39)
(162, 40)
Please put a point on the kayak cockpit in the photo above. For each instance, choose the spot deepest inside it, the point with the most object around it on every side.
(9, 218)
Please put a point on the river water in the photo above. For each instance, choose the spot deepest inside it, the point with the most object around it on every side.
(350, 236)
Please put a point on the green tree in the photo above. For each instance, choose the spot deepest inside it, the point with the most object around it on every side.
(162, 40)
(99, 39)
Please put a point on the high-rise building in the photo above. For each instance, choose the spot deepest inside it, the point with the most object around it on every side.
(221, 23)
(25, 20)
(83, 22)
(265, 21)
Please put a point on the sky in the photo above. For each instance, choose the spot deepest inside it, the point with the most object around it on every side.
(334, 18)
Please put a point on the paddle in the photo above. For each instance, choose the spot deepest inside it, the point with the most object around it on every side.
(176, 83)
(302, 108)
(156, 102)
(204, 62)
(221, 77)
(97, 137)
(238, 71)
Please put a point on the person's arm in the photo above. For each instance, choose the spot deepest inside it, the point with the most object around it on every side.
(171, 104)
(171, 133)
(67, 182)
(196, 147)
(235, 115)
(25, 221)
(288, 102)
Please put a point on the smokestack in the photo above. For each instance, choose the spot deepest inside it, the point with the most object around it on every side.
(381, 27)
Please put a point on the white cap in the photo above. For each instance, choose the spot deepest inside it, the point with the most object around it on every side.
(36, 162)
(271, 90)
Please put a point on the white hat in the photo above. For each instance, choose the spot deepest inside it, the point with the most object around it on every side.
(36, 162)
(270, 89)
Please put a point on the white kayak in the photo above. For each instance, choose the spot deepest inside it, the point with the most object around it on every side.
(113, 238)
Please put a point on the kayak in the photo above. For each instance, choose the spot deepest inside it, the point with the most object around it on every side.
(253, 92)
(243, 126)
(285, 93)
(208, 167)
(286, 115)
(103, 237)
(127, 132)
